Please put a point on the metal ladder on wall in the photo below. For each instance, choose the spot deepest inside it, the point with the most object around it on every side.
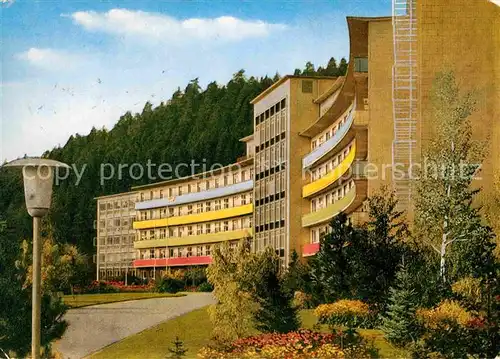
(404, 97)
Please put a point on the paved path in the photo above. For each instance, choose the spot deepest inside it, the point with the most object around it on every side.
(92, 328)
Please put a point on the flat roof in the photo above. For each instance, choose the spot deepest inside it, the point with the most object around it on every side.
(247, 138)
(115, 195)
(245, 162)
(283, 79)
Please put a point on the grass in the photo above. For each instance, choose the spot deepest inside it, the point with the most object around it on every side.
(84, 300)
(194, 330)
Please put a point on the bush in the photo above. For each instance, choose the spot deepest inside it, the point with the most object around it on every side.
(302, 300)
(205, 287)
(100, 287)
(351, 313)
(169, 284)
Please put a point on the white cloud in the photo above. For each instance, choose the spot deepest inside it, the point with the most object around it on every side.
(166, 28)
(50, 59)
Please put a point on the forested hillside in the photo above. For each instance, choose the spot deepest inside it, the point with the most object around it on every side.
(195, 124)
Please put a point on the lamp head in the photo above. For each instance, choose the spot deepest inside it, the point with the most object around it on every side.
(38, 176)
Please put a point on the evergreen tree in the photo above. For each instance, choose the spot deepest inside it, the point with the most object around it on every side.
(276, 313)
(331, 270)
(399, 323)
(177, 350)
(296, 277)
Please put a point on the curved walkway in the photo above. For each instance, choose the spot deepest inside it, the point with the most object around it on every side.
(94, 327)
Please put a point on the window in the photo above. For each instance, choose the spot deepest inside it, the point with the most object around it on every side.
(199, 229)
(207, 184)
(226, 225)
(307, 86)
(170, 211)
(199, 251)
(217, 204)
(151, 195)
(190, 209)
(243, 175)
(190, 230)
(216, 183)
(189, 252)
(217, 227)
(226, 180)
(199, 207)
(152, 234)
(361, 64)
(207, 250)
(226, 202)
(170, 192)
(170, 232)
(198, 187)
(161, 193)
(151, 253)
(243, 199)
(163, 233)
(189, 188)
(207, 228)
(208, 206)
(235, 178)
(179, 190)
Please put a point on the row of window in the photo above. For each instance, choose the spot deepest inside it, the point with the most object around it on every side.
(194, 208)
(270, 213)
(178, 252)
(273, 238)
(116, 257)
(331, 130)
(115, 205)
(271, 185)
(277, 108)
(331, 197)
(271, 157)
(116, 223)
(327, 167)
(198, 229)
(199, 186)
(117, 240)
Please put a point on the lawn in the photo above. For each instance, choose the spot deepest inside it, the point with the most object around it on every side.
(194, 330)
(83, 300)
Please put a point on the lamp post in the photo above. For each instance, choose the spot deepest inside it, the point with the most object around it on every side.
(38, 175)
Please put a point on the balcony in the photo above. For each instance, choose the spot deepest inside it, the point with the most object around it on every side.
(194, 240)
(327, 213)
(195, 218)
(325, 148)
(172, 262)
(197, 196)
(325, 181)
(310, 249)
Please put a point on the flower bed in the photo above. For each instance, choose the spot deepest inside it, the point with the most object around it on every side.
(114, 287)
(300, 344)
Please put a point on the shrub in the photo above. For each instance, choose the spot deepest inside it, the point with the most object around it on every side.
(351, 313)
(205, 287)
(169, 284)
(100, 287)
(448, 313)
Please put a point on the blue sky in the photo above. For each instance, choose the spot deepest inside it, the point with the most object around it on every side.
(69, 65)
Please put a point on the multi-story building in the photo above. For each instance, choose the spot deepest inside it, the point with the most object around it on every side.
(115, 235)
(322, 145)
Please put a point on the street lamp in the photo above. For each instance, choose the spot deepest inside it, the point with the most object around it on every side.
(38, 175)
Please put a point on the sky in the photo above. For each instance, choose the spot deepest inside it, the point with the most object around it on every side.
(70, 65)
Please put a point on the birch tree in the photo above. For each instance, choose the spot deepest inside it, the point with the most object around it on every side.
(444, 212)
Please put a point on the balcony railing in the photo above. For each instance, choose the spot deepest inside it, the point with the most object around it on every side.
(197, 196)
(325, 181)
(200, 239)
(195, 218)
(330, 211)
(320, 151)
